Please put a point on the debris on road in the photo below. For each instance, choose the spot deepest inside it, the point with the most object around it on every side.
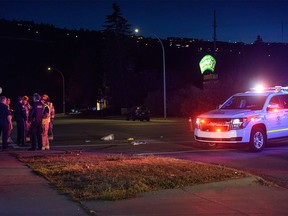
(138, 142)
(108, 137)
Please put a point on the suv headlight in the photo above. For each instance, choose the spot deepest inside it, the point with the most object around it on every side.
(240, 123)
(237, 123)
(199, 121)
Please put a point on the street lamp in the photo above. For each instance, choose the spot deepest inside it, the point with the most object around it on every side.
(164, 74)
(63, 84)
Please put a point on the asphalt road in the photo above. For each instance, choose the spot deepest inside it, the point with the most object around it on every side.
(172, 138)
(88, 133)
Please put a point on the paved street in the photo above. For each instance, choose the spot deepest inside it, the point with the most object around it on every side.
(172, 138)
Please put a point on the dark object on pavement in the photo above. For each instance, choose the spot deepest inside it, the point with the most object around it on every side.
(138, 113)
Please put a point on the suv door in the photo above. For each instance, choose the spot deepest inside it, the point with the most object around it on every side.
(275, 118)
(284, 100)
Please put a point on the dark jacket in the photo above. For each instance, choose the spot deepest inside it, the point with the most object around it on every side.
(19, 112)
(4, 113)
(35, 114)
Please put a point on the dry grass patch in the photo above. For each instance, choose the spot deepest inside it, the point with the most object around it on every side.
(114, 177)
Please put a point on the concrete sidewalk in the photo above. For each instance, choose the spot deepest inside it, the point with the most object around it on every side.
(235, 197)
(22, 192)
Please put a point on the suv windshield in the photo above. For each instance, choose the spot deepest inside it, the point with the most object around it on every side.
(245, 102)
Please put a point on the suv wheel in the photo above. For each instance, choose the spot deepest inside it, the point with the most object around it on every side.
(257, 139)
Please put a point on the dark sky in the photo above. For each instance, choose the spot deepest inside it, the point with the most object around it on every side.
(236, 20)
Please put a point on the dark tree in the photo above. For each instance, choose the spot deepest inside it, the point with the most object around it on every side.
(117, 63)
(115, 24)
(258, 40)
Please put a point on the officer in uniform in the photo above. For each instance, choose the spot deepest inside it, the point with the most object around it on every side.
(46, 98)
(45, 123)
(27, 107)
(35, 117)
(20, 117)
(5, 122)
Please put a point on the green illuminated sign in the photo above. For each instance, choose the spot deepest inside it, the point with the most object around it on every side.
(208, 62)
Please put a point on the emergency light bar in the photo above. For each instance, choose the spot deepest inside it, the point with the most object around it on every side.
(275, 88)
(279, 88)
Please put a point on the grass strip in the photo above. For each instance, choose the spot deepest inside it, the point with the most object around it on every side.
(115, 177)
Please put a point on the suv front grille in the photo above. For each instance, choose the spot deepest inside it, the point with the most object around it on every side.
(215, 125)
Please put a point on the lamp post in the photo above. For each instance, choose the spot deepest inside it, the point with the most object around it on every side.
(63, 85)
(164, 74)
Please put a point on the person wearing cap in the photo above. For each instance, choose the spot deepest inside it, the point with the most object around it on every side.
(35, 117)
(5, 122)
(45, 122)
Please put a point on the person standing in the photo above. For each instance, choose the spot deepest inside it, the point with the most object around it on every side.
(8, 103)
(5, 122)
(35, 117)
(45, 123)
(20, 118)
(27, 107)
(52, 116)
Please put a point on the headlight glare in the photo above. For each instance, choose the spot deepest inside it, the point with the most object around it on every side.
(240, 123)
(236, 124)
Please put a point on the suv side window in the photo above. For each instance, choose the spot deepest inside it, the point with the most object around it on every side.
(275, 101)
(284, 99)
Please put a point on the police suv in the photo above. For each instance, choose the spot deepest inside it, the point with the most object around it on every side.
(251, 117)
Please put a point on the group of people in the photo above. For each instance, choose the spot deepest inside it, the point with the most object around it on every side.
(34, 123)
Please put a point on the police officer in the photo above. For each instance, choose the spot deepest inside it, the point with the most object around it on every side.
(20, 118)
(46, 98)
(45, 123)
(27, 107)
(5, 122)
(35, 117)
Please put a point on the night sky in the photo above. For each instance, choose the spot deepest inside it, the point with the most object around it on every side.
(237, 21)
